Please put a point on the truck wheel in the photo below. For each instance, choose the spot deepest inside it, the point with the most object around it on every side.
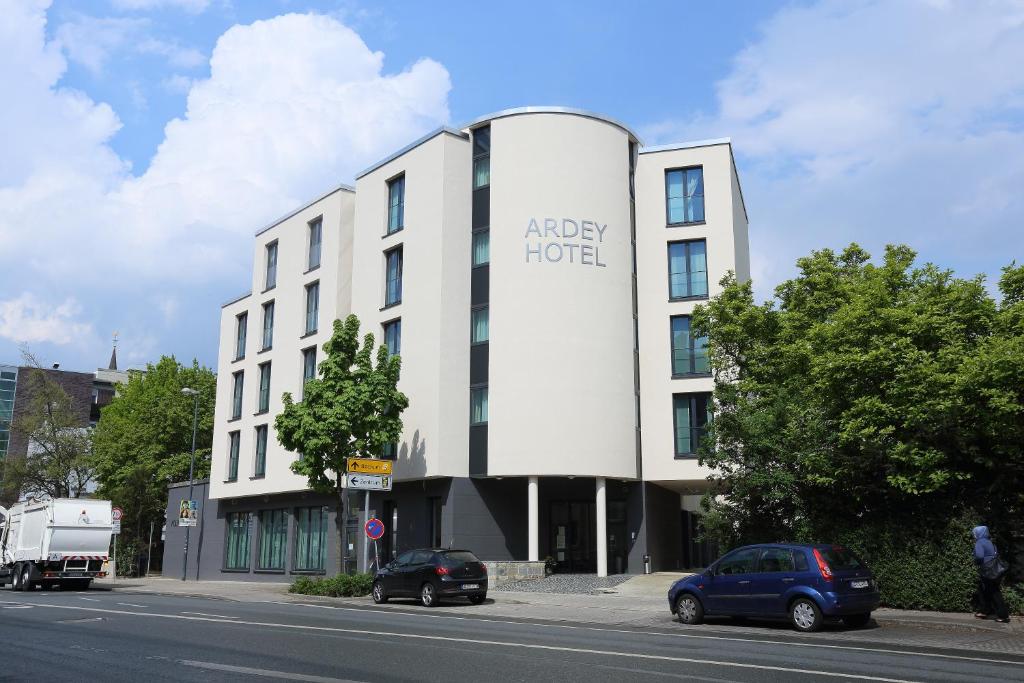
(16, 578)
(26, 578)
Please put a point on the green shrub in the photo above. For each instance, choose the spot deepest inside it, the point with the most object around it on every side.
(340, 586)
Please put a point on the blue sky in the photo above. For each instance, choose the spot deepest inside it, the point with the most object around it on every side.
(129, 123)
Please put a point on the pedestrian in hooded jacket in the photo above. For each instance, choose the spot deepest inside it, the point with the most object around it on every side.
(991, 596)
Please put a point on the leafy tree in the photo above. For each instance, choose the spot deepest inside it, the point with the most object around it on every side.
(58, 463)
(865, 396)
(143, 442)
(352, 408)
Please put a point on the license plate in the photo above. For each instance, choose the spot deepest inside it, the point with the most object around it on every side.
(468, 586)
(73, 574)
(859, 584)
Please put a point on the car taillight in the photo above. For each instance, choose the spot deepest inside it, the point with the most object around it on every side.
(441, 571)
(826, 571)
(483, 567)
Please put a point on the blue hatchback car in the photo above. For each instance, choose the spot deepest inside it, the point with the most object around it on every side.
(806, 584)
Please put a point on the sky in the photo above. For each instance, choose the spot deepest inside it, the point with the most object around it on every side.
(143, 142)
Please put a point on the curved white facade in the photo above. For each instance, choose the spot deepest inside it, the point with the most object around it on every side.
(561, 314)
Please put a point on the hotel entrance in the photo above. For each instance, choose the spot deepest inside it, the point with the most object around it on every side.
(573, 536)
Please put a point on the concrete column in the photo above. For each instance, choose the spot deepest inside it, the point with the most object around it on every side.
(602, 529)
(532, 519)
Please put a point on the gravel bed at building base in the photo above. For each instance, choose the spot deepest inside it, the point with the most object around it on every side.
(585, 584)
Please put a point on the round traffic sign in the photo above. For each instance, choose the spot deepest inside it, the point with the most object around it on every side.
(116, 514)
(374, 528)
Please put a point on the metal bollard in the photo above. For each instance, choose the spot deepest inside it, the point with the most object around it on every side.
(647, 564)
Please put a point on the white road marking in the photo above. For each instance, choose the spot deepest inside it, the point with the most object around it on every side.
(500, 643)
(694, 636)
(89, 599)
(130, 604)
(287, 675)
(17, 607)
(204, 614)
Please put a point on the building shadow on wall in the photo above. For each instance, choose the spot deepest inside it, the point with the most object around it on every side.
(412, 460)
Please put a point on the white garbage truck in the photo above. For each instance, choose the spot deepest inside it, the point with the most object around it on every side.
(57, 542)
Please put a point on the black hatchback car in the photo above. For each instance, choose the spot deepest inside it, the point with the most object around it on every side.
(432, 574)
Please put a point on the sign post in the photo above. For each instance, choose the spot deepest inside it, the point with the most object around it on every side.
(374, 530)
(369, 474)
(116, 514)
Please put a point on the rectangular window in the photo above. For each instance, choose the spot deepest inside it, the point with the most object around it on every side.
(687, 270)
(271, 276)
(308, 364)
(241, 328)
(480, 325)
(236, 546)
(393, 337)
(268, 325)
(389, 451)
(260, 470)
(316, 236)
(478, 405)
(481, 247)
(233, 443)
(691, 415)
(310, 539)
(396, 204)
(312, 307)
(263, 403)
(393, 277)
(236, 395)
(689, 354)
(273, 539)
(684, 195)
(481, 157)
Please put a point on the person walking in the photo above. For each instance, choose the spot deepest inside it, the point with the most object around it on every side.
(990, 574)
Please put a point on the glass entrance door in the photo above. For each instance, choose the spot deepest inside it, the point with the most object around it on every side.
(573, 536)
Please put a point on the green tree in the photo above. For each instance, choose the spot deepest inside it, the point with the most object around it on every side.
(352, 408)
(143, 442)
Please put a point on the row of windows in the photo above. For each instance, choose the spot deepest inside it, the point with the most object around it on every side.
(309, 542)
(263, 396)
(259, 466)
(310, 326)
(314, 244)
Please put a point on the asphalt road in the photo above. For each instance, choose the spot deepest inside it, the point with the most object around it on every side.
(117, 636)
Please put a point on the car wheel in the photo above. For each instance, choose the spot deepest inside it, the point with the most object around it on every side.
(477, 599)
(428, 595)
(805, 615)
(379, 596)
(689, 610)
(16, 578)
(26, 578)
(857, 620)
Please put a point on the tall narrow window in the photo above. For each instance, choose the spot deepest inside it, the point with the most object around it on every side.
(260, 469)
(236, 394)
(310, 539)
(687, 270)
(312, 307)
(481, 157)
(478, 405)
(233, 445)
(271, 276)
(393, 277)
(316, 235)
(268, 325)
(393, 337)
(481, 247)
(691, 415)
(389, 451)
(241, 328)
(236, 547)
(396, 204)
(689, 354)
(684, 195)
(273, 539)
(480, 325)
(263, 402)
(308, 364)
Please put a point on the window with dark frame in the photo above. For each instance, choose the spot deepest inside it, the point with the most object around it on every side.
(480, 325)
(312, 307)
(393, 336)
(684, 195)
(236, 394)
(236, 545)
(308, 365)
(478, 405)
(316, 235)
(481, 157)
(396, 204)
(481, 247)
(687, 270)
(689, 354)
(310, 539)
(271, 272)
(691, 414)
(260, 470)
(268, 325)
(241, 329)
(273, 540)
(234, 439)
(393, 276)
(263, 402)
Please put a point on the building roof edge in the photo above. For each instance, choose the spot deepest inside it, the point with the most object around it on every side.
(685, 145)
(337, 188)
(516, 111)
(411, 146)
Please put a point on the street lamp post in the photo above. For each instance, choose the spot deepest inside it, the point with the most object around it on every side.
(191, 470)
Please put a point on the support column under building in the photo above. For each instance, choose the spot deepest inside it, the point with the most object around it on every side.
(602, 528)
(532, 520)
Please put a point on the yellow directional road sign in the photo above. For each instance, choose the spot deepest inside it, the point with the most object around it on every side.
(369, 466)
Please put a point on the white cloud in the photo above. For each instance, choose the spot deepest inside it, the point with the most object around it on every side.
(192, 6)
(177, 84)
(293, 105)
(878, 122)
(92, 41)
(178, 56)
(28, 319)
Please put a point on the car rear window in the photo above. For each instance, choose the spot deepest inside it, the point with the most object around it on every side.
(461, 556)
(839, 558)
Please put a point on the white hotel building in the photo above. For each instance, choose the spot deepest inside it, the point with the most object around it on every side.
(535, 269)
